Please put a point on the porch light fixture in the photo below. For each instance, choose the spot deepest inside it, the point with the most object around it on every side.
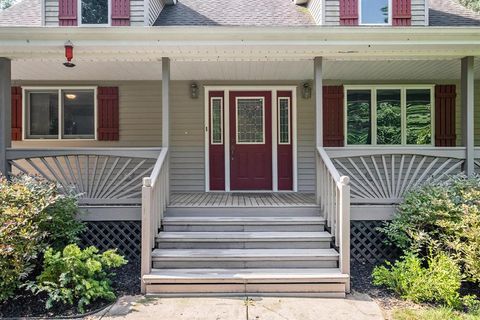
(306, 90)
(69, 55)
(194, 90)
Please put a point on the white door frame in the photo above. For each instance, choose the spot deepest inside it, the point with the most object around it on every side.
(226, 118)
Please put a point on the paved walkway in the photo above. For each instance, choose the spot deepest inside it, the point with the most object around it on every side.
(357, 306)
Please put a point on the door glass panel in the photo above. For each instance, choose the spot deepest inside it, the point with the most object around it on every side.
(419, 116)
(250, 120)
(217, 123)
(359, 117)
(284, 121)
(78, 114)
(389, 117)
(43, 115)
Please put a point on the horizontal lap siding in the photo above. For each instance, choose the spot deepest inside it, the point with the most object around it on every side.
(418, 12)
(137, 13)
(477, 112)
(306, 143)
(51, 12)
(315, 7)
(332, 12)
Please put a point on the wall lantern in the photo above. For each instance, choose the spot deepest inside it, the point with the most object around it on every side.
(69, 55)
(306, 90)
(194, 90)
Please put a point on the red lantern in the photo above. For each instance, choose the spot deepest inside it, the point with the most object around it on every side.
(69, 55)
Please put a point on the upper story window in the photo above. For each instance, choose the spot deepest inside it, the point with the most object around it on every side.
(389, 115)
(60, 113)
(94, 12)
(375, 12)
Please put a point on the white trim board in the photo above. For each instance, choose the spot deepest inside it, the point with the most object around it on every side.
(226, 109)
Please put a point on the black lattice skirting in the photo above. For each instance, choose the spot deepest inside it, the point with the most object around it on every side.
(125, 236)
(367, 244)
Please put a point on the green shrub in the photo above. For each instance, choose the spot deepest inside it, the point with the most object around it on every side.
(77, 275)
(33, 216)
(443, 217)
(471, 4)
(438, 282)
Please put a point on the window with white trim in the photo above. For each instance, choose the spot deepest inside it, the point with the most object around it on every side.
(94, 12)
(375, 12)
(60, 113)
(389, 115)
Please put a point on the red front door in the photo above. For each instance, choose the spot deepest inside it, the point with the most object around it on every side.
(250, 140)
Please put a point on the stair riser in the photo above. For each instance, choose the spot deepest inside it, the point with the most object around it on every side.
(327, 290)
(246, 264)
(243, 212)
(277, 244)
(238, 228)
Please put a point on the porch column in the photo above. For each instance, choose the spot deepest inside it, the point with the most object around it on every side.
(318, 79)
(165, 102)
(5, 110)
(468, 133)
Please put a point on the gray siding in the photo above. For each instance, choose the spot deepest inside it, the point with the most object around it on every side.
(315, 8)
(154, 9)
(136, 12)
(332, 12)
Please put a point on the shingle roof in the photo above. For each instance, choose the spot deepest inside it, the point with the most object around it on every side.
(235, 13)
(23, 13)
(451, 13)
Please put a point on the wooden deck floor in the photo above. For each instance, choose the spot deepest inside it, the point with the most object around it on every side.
(240, 199)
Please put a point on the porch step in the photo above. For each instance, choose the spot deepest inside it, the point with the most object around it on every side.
(244, 223)
(244, 258)
(311, 211)
(243, 240)
(325, 282)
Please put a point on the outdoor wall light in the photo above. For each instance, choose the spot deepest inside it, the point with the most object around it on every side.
(194, 90)
(69, 55)
(306, 90)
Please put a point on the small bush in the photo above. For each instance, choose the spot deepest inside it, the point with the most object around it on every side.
(443, 217)
(471, 4)
(33, 216)
(77, 275)
(438, 282)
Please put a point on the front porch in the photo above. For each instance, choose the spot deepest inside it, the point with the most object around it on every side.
(166, 169)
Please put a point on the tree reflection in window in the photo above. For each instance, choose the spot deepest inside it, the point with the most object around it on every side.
(358, 117)
(95, 11)
(419, 116)
(389, 116)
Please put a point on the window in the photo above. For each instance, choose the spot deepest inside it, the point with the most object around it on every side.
(217, 120)
(389, 115)
(67, 113)
(375, 12)
(94, 12)
(284, 120)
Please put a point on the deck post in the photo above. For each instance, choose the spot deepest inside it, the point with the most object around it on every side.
(5, 113)
(467, 94)
(318, 79)
(165, 102)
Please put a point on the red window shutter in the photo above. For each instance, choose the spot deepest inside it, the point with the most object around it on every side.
(333, 116)
(445, 135)
(401, 12)
(67, 12)
(349, 12)
(108, 113)
(16, 113)
(120, 12)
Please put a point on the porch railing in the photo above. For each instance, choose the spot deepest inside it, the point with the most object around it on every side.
(333, 197)
(155, 198)
(383, 175)
(97, 176)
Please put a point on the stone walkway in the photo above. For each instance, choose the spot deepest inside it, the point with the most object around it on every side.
(356, 306)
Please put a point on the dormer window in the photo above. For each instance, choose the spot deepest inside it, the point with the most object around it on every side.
(94, 12)
(375, 12)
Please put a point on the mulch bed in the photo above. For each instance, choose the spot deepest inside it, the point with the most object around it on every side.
(25, 304)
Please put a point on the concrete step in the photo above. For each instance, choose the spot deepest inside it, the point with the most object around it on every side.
(327, 282)
(227, 223)
(243, 240)
(244, 258)
(243, 211)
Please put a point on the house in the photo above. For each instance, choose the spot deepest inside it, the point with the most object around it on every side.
(253, 146)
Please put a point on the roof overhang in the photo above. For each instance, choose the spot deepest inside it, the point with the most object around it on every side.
(239, 43)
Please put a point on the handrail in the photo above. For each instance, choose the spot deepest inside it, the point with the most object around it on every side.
(155, 198)
(22, 153)
(333, 197)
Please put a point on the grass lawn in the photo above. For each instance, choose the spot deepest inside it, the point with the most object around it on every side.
(432, 314)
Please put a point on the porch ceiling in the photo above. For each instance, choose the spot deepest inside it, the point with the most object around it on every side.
(350, 70)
